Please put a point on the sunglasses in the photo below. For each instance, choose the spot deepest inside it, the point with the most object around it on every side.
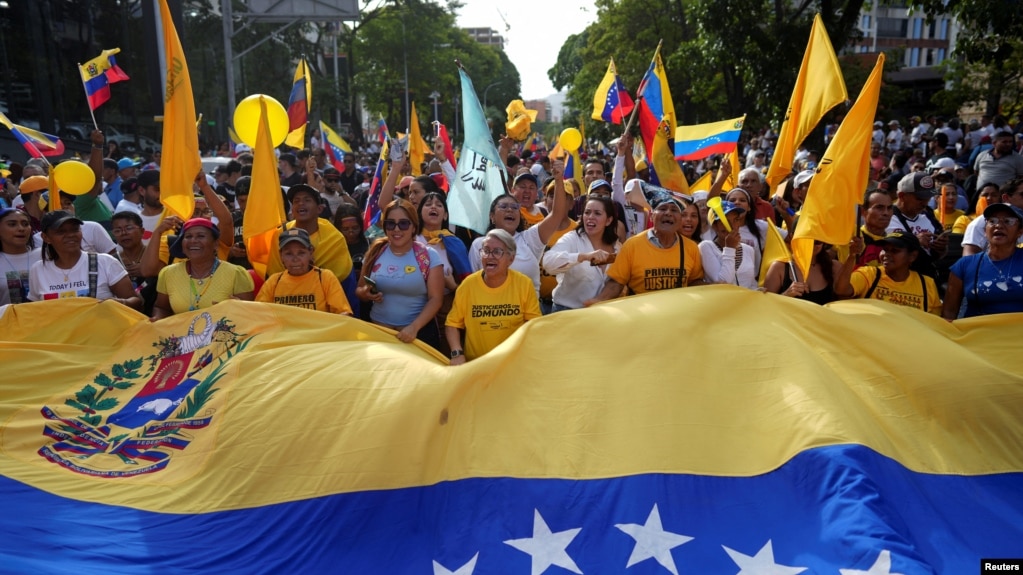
(507, 206)
(402, 225)
(496, 252)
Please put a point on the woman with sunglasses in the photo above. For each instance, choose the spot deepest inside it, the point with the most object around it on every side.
(991, 281)
(491, 303)
(403, 278)
(505, 215)
(16, 255)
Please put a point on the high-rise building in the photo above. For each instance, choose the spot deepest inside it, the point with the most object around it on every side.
(487, 36)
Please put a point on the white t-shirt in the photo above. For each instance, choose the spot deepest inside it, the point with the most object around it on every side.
(921, 223)
(149, 224)
(14, 275)
(94, 239)
(974, 234)
(126, 206)
(528, 249)
(47, 281)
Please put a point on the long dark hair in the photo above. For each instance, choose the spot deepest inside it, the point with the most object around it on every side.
(610, 233)
(699, 223)
(378, 246)
(4, 214)
(493, 207)
(750, 217)
(432, 196)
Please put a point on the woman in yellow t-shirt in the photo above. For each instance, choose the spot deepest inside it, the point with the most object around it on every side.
(893, 281)
(202, 279)
(301, 284)
(491, 303)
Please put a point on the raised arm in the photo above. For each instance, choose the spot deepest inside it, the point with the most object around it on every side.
(397, 164)
(225, 222)
(96, 161)
(843, 285)
(559, 206)
(724, 170)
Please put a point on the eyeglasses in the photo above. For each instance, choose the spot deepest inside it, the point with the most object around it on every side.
(507, 206)
(402, 225)
(1007, 222)
(124, 230)
(496, 252)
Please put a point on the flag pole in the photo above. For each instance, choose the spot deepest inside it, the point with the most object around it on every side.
(86, 90)
(639, 92)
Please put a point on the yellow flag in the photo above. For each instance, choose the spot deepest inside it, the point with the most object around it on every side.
(703, 183)
(181, 163)
(774, 250)
(669, 173)
(829, 211)
(416, 145)
(819, 88)
(299, 104)
(264, 212)
(732, 181)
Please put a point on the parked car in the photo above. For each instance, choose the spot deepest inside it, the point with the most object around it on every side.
(127, 143)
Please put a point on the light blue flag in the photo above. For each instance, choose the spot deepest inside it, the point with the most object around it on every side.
(480, 173)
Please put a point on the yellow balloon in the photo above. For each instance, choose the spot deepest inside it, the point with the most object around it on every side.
(74, 177)
(571, 139)
(246, 120)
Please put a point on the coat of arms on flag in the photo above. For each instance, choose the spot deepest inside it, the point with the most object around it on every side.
(136, 413)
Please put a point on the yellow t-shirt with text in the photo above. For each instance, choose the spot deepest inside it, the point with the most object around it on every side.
(186, 294)
(490, 315)
(908, 293)
(644, 267)
(312, 290)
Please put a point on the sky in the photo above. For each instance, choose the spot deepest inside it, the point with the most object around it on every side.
(533, 35)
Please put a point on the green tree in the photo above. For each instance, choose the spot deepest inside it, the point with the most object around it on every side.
(986, 68)
(724, 58)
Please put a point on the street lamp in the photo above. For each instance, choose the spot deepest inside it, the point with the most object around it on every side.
(435, 94)
(487, 89)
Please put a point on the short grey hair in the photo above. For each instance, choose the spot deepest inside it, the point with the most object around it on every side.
(504, 237)
(748, 171)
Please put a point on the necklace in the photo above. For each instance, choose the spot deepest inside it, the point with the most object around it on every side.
(197, 295)
(1003, 275)
(202, 279)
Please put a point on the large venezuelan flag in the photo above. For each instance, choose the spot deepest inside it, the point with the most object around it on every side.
(703, 140)
(249, 438)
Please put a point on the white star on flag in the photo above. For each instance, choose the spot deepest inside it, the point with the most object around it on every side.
(547, 548)
(652, 541)
(883, 566)
(466, 569)
(762, 563)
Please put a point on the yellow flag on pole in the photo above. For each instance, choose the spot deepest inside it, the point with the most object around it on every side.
(416, 145)
(732, 181)
(819, 87)
(181, 163)
(829, 211)
(265, 211)
(774, 250)
(669, 173)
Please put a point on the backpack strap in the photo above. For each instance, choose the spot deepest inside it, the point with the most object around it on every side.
(873, 284)
(923, 286)
(423, 259)
(681, 261)
(93, 274)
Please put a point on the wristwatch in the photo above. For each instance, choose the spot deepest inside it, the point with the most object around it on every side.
(456, 352)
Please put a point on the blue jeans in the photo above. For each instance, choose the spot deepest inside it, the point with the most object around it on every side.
(558, 307)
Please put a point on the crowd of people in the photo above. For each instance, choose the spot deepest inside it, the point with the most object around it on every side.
(942, 221)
